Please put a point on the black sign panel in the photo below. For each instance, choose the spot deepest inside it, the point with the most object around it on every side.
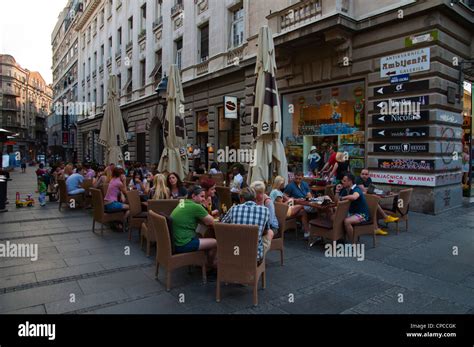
(402, 88)
(406, 164)
(65, 121)
(413, 101)
(401, 148)
(397, 118)
(65, 138)
(401, 132)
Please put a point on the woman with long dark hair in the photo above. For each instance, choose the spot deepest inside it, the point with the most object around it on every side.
(175, 185)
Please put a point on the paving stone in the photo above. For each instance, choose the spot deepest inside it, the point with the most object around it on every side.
(39, 309)
(33, 267)
(159, 304)
(68, 272)
(323, 302)
(107, 282)
(17, 280)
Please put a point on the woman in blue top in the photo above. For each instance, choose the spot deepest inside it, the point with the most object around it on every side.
(358, 210)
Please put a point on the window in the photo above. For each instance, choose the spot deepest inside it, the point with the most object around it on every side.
(95, 61)
(237, 28)
(204, 44)
(102, 17)
(102, 96)
(156, 74)
(119, 40)
(129, 85)
(110, 46)
(119, 82)
(89, 66)
(130, 29)
(158, 6)
(178, 52)
(143, 18)
(95, 96)
(143, 73)
(84, 70)
(102, 52)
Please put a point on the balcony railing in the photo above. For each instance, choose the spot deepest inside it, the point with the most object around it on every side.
(129, 46)
(235, 56)
(295, 16)
(101, 68)
(109, 61)
(142, 35)
(158, 23)
(202, 68)
(178, 8)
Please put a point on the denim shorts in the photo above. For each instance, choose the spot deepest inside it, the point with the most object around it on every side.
(115, 206)
(191, 246)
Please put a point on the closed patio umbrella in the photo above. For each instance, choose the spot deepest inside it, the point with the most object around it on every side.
(173, 158)
(266, 115)
(112, 132)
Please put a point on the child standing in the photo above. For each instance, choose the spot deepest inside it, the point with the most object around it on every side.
(42, 189)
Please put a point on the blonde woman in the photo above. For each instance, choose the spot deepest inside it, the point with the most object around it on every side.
(263, 199)
(161, 191)
(68, 171)
(277, 195)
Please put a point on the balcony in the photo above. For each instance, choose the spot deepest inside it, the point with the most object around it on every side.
(88, 78)
(177, 9)
(119, 4)
(101, 68)
(129, 46)
(295, 16)
(10, 91)
(142, 35)
(118, 54)
(235, 55)
(202, 6)
(158, 23)
(202, 68)
(109, 61)
(94, 73)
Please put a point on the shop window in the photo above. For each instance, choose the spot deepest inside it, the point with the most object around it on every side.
(323, 117)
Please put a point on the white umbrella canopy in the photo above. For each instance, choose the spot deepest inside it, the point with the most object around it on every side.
(173, 158)
(266, 114)
(112, 132)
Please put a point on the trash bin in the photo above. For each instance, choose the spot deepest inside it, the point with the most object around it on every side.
(3, 193)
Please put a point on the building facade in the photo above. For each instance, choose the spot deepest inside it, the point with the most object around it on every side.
(25, 102)
(348, 71)
(62, 123)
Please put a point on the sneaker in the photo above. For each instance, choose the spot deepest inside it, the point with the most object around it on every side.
(382, 232)
(306, 236)
(391, 219)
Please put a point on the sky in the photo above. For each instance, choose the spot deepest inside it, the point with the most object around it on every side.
(25, 32)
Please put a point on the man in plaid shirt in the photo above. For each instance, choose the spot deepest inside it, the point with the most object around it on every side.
(252, 214)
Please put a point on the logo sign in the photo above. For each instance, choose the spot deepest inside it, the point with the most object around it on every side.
(396, 118)
(426, 37)
(405, 63)
(401, 148)
(403, 179)
(230, 107)
(422, 100)
(402, 88)
(401, 132)
(399, 79)
(406, 164)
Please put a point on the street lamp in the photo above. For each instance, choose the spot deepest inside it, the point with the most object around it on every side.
(162, 88)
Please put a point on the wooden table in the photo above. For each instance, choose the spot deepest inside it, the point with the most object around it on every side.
(318, 188)
(314, 204)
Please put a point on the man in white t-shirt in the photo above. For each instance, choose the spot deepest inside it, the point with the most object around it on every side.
(236, 184)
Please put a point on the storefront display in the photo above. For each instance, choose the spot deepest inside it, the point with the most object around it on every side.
(321, 118)
(467, 144)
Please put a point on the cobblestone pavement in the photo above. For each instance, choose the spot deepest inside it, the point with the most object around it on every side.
(412, 273)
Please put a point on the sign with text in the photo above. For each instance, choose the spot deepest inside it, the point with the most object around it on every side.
(405, 63)
(402, 88)
(397, 118)
(403, 179)
(406, 164)
(399, 79)
(426, 37)
(401, 147)
(401, 132)
(230, 107)
(398, 103)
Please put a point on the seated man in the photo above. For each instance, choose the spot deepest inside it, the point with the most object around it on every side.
(236, 184)
(73, 184)
(186, 218)
(248, 212)
(364, 182)
(299, 189)
(358, 210)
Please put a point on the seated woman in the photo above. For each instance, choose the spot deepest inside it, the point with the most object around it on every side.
(263, 199)
(137, 183)
(212, 199)
(214, 169)
(294, 210)
(113, 201)
(176, 187)
(160, 191)
(100, 179)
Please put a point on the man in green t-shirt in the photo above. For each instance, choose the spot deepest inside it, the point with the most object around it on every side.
(186, 218)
